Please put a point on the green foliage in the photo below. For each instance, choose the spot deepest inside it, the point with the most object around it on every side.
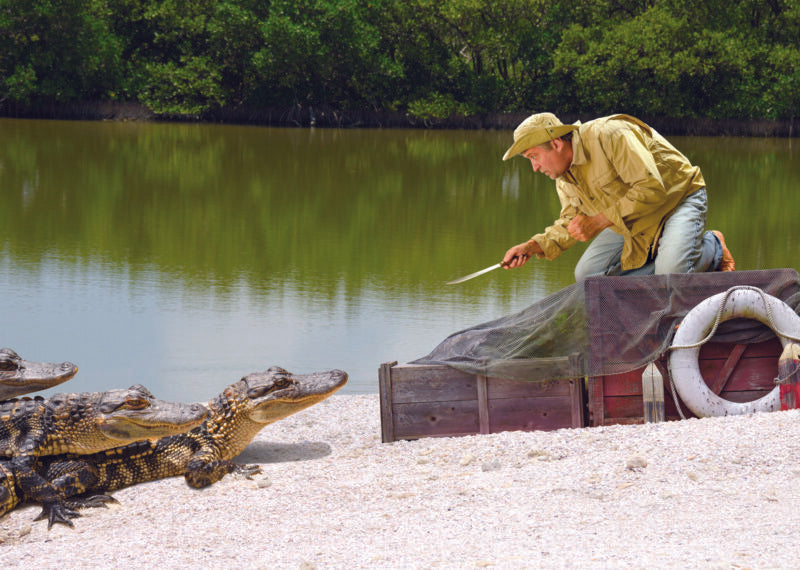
(189, 86)
(656, 63)
(436, 106)
(319, 52)
(430, 58)
(781, 96)
(56, 50)
(21, 84)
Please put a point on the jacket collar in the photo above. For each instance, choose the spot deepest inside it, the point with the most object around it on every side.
(579, 157)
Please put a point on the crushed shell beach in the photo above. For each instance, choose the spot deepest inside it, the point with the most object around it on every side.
(710, 493)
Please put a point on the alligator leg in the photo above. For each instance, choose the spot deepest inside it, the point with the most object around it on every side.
(37, 489)
(40, 491)
(75, 480)
(71, 477)
(202, 472)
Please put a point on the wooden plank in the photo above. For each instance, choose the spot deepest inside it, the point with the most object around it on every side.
(483, 405)
(622, 407)
(630, 407)
(745, 396)
(624, 384)
(435, 419)
(418, 383)
(720, 350)
(576, 402)
(526, 414)
(596, 402)
(721, 378)
(505, 388)
(385, 387)
(623, 421)
(750, 374)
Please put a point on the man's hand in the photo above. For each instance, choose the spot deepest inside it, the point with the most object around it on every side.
(518, 255)
(584, 228)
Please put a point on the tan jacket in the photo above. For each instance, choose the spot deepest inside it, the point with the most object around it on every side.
(626, 170)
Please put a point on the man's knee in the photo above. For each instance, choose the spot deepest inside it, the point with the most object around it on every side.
(584, 270)
(580, 273)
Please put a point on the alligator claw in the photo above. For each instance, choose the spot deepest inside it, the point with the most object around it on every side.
(93, 502)
(247, 470)
(57, 513)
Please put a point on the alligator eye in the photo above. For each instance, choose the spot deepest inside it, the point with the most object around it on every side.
(136, 403)
(9, 360)
(264, 389)
(283, 383)
(8, 364)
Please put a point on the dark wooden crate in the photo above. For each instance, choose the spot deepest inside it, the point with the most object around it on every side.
(440, 401)
(739, 373)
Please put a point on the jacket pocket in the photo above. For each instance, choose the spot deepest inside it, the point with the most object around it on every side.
(610, 184)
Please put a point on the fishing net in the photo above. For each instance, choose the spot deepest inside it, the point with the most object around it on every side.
(604, 325)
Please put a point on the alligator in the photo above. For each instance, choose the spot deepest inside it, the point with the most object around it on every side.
(18, 376)
(81, 423)
(203, 455)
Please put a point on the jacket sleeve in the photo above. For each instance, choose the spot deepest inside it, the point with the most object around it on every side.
(555, 239)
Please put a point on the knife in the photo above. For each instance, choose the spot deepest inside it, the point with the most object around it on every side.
(481, 272)
(471, 275)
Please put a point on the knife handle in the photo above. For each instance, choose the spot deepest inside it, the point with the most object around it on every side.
(505, 264)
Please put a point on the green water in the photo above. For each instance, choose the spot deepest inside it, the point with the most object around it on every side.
(184, 256)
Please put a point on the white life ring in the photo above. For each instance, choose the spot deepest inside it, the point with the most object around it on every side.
(742, 302)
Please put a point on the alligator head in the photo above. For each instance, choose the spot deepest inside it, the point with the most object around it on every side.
(261, 398)
(90, 422)
(276, 393)
(18, 376)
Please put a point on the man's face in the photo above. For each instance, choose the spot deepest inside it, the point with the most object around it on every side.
(552, 159)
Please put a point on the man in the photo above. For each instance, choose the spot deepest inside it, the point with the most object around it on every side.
(625, 186)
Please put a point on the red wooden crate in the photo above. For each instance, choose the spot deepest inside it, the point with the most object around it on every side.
(739, 373)
(736, 372)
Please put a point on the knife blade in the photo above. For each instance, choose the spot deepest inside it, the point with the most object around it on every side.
(482, 271)
(477, 273)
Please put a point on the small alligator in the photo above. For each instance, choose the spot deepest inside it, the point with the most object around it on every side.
(18, 376)
(203, 455)
(31, 428)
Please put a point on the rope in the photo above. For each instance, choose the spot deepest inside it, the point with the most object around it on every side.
(675, 396)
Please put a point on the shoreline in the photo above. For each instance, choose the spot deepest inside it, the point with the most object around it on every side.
(711, 493)
(304, 116)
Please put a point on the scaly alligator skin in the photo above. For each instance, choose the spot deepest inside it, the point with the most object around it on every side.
(204, 454)
(9, 494)
(18, 376)
(31, 428)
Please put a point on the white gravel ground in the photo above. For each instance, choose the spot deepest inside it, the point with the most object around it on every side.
(712, 493)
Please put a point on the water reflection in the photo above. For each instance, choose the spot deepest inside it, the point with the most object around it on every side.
(185, 256)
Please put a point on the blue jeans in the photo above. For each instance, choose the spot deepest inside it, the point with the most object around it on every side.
(684, 246)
